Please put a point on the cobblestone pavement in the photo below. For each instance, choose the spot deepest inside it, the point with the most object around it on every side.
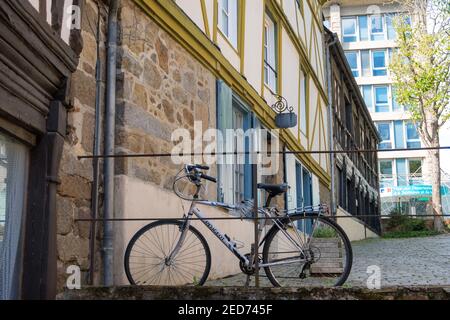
(402, 262)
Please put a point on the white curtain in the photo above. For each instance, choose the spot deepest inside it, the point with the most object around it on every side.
(13, 178)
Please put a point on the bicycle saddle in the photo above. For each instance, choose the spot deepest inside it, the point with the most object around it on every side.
(274, 189)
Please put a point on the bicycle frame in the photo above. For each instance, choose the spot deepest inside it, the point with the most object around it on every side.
(227, 242)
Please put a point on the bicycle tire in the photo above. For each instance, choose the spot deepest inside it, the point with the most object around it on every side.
(179, 224)
(346, 242)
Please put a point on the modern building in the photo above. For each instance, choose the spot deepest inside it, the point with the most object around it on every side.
(368, 37)
(180, 64)
(355, 183)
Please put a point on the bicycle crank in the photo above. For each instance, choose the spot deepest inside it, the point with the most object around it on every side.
(248, 270)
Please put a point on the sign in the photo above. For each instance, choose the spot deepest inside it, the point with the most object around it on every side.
(420, 190)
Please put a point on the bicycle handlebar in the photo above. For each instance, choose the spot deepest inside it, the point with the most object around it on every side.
(194, 170)
(209, 178)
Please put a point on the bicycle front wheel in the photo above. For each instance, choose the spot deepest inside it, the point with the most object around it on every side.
(308, 251)
(146, 256)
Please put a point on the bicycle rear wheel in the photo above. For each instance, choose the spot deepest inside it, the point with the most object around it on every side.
(309, 251)
(146, 256)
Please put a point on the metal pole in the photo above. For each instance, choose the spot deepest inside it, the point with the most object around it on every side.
(256, 221)
(330, 126)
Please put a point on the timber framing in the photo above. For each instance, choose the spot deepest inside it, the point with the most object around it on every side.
(36, 66)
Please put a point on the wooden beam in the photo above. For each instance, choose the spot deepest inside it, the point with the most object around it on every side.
(57, 11)
(43, 8)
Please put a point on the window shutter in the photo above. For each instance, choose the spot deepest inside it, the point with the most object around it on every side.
(224, 121)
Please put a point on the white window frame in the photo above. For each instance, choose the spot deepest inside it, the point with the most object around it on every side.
(418, 179)
(231, 12)
(372, 52)
(374, 97)
(356, 34)
(405, 134)
(358, 62)
(270, 53)
(383, 23)
(393, 169)
(370, 63)
(391, 133)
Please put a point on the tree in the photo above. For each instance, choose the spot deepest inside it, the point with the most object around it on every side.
(421, 73)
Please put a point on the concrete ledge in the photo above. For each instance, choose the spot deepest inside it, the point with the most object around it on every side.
(241, 293)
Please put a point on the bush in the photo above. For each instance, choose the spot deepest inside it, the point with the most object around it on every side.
(402, 223)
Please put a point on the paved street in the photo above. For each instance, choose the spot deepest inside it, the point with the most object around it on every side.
(418, 261)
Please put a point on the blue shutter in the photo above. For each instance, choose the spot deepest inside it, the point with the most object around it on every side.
(224, 121)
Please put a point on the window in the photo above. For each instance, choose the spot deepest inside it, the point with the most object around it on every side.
(228, 20)
(381, 99)
(363, 28)
(238, 120)
(379, 63)
(386, 174)
(303, 90)
(349, 29)
(365, 63)
(376, 27)
(395, 106)
(412, 136)
(385, 132)
(391, 34)
(415, 171)
(13, 181)
(234, 171)
(352, 58)
(368, 97)
(270, 55)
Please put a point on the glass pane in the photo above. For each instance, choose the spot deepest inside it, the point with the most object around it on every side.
(349, 26)
(381, 94)
(365, 63)
(349, 29)
(395, 105)
(225, 23)
(384, 129)
(367, 93)
(391, 34)
(349, 38)
(352, 59)
(363, 28)
(13, 179)
(386, 167)
(377, 27)
(413, 144)
(411, 132)
(379, 59)
(415, 167)
(381, 99)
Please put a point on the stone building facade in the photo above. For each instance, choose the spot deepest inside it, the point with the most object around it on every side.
(168, 73)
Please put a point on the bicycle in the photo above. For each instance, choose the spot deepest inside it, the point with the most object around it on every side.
(303, 247)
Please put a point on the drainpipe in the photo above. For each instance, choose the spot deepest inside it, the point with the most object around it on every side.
(96, 151)
(330, 126)
(110, 117)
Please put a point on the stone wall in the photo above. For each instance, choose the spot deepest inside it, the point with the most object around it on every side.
(161, 88)
(74, 192)
(251, 293)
